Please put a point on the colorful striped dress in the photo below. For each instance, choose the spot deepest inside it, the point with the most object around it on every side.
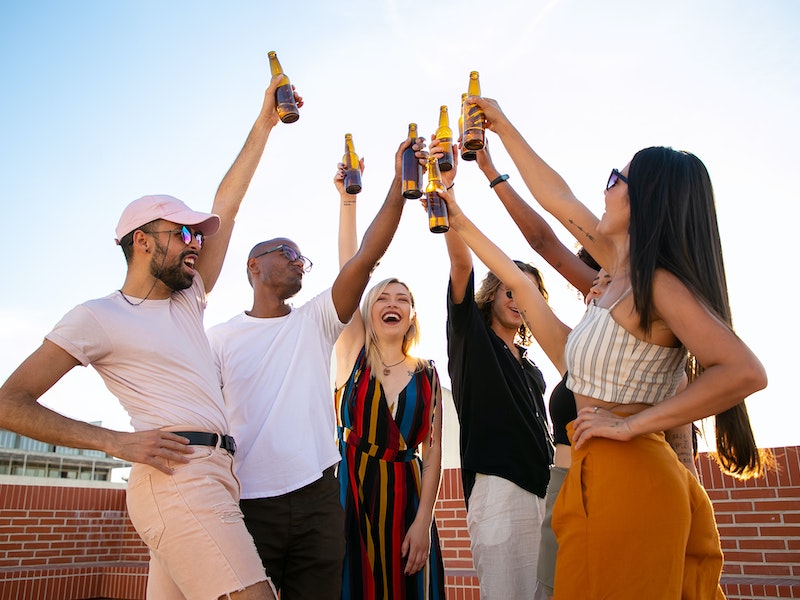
(380, 480)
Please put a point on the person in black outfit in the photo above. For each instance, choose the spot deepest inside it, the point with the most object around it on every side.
(505, 444)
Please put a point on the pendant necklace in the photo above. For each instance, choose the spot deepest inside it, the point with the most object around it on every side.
(387, 367)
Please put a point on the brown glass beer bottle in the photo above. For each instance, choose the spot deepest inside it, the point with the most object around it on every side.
(352, 176)
(465, 154)
(445, 136)
(473, 117)
(437, 208)
(284, 95)
(412, 170)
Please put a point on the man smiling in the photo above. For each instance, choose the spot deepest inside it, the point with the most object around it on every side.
(274, 365)
(146, 340)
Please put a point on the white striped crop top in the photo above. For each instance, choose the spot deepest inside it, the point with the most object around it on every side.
(607, 362)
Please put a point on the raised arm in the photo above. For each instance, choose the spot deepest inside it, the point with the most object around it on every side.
(459, 253)
(354, 275)
(352, 338)
(348, 233)
(234, 185)
(21, 412)
(536, 230)
(549, 331)
(547, 186)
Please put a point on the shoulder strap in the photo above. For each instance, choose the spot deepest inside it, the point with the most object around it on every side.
(618, 300)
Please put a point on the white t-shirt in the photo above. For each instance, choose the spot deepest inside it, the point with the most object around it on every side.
(275, 375)
(154, 357)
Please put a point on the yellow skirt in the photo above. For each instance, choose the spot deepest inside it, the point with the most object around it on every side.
(633, 523)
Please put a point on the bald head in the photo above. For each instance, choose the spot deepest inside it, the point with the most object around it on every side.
(267, 245)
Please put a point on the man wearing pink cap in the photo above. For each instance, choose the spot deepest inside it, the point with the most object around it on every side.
(147, 342)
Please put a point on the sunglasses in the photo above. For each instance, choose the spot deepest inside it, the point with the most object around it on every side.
(187, 235)
(614, 178)
(291, 255)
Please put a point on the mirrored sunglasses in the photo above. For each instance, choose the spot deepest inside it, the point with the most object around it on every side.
(187, 235)
(614, 178)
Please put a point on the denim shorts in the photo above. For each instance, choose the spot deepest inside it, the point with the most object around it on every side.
(192, 524)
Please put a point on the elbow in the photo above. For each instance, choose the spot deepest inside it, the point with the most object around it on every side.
(755, 377)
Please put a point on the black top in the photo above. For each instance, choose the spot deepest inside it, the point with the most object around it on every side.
(498, 400)
(562, 411)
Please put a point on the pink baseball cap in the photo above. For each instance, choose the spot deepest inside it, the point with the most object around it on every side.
(150, 208)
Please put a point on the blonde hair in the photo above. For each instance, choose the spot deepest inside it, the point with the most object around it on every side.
(410, 339)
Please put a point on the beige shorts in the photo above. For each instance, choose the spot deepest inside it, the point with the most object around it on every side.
(192, 524)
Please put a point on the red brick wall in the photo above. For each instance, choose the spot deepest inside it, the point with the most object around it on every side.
(759, 524)
(70, 543)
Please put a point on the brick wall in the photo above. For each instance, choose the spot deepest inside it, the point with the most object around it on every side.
(759, 524)
(74, 543)
(68, 543)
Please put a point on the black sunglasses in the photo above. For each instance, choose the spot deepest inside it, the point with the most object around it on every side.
(187, 235)
(614, 177)
(291, 255)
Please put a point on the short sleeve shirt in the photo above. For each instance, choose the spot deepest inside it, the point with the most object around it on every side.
(154, 357)
(499, 402)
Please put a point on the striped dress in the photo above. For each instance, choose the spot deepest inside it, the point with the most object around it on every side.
(380, 480)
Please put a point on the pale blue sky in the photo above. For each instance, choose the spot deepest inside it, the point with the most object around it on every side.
(102, 102)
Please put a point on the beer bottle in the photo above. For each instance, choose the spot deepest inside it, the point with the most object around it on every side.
(412, 170)
(473, 117)
(352, 176)
(445, 136)
(437, 208)
(284, 95)
(465, 154)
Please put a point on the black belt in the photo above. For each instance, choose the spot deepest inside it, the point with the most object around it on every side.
(202, 438)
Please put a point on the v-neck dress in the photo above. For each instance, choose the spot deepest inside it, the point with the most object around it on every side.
(380, 479)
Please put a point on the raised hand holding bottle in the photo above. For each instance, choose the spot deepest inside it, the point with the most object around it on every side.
(284, 95)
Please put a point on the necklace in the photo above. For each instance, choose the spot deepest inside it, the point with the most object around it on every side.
(124, 297)
(152, 287)
(387, 367)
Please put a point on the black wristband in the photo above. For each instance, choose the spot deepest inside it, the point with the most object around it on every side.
(450, 187)
(498, 179)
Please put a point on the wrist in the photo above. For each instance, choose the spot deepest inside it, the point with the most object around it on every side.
(497, 180)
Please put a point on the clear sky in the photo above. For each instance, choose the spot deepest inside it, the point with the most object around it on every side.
(103, 102)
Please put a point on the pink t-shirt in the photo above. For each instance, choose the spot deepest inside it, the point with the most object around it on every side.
(154, 357)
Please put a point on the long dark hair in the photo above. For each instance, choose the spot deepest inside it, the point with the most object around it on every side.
(673, 226)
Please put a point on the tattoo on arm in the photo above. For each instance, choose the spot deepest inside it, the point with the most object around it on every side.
(588, 235)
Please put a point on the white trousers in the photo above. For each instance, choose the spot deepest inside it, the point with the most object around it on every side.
(504, 523)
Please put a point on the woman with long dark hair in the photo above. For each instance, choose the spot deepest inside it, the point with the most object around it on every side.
(631, 522)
